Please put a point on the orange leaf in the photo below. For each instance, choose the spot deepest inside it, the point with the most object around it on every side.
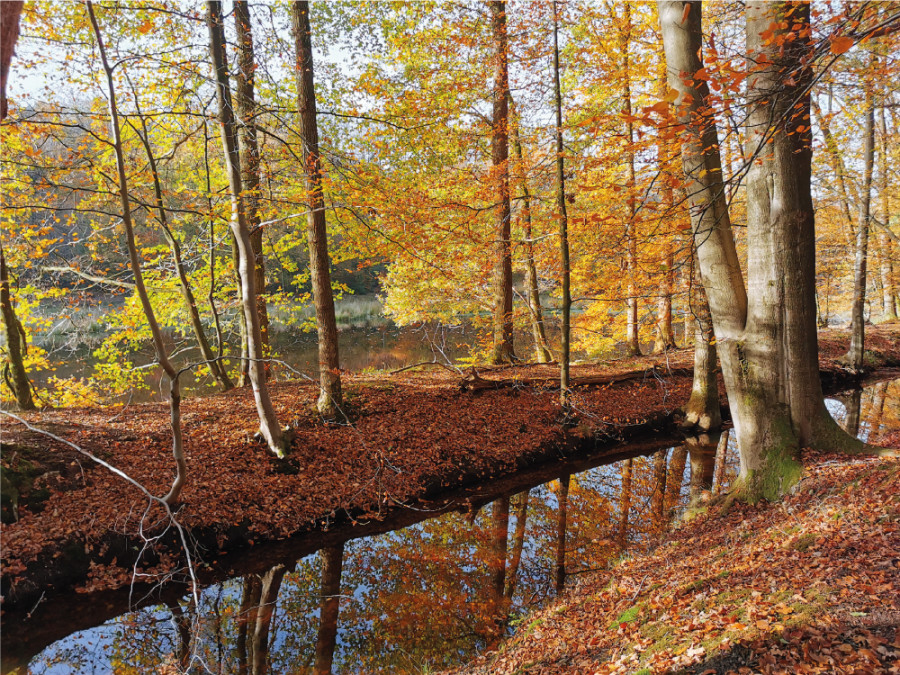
(841, 44)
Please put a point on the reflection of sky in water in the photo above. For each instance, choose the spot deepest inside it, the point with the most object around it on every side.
(445, 555)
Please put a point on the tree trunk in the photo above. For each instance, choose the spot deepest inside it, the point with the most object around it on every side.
(857, 318)
(837, 166)
(16, 344)
(503, 351)
(161, 356)
(532, 292)
(721, 460)
(665, 334)
(632, 338)
(9, 33)
(269, 588)
(767, 344)
(853, 404)
(268, 424)
(563, 225)
(703, 411)
(559, 568)
(190, 304)
(245, 108)
(332, 565)
(329, 362)
(889, 289)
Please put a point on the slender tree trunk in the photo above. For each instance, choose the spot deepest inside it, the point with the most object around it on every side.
(503, 289)
(329, 362)
(246, 620)
(16, 344)
(532, 292)
(566, 300)
(625, 503)
(190, 304)
(767, 343)
(632, 338)
(161, 356)
(245, 108)
(877, 411)
(665, 334)
(333, 561)
(562, 513)
(211, 295)
(512, 573)
(268, 424)
(889, 292)
(703, 410)
(837, 166)
(857, 318)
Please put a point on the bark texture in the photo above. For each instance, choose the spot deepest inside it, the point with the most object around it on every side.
(14, 373)
(330, 398)
(10, 10)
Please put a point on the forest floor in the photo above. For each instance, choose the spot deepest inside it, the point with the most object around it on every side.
(410, 436)
(810, 584)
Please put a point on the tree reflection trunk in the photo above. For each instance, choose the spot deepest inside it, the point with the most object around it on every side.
(877, 411)
(560, 567)
(721, 461)
(518, 544)
(500, 542)
(333, 560)
(625, 503)
(853, 402)
(675, 479)
(270, 585)
(703, 464)
(658, 497)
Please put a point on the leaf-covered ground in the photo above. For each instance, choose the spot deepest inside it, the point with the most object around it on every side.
(411, 435)
(810, 584)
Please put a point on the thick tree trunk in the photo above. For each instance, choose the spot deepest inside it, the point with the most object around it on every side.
(532, 292)
(566, 299)
(503, 351)
(268, 424)
(857, 318)
(187, 293)
(703, 411)
(245, 108)
(269, 588)
(16, 344)
(329, 362)
(767, 344)
(332, 565)
(562, 512)
(632, 337)
(134, 260)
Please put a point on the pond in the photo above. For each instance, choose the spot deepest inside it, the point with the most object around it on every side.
(426, 596)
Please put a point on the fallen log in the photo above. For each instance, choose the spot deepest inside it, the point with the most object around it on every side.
(474, 382)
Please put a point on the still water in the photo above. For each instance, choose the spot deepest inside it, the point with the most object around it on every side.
(428, 596)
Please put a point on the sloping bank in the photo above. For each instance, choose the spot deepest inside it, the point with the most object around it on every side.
(412, 438)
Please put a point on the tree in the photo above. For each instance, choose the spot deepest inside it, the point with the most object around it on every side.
(14, 373)
(767, 343)
(503, 351)
(9, 33)
(329, 363)
(274, 436)
(161, 356)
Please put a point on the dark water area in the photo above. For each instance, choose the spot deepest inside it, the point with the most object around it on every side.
(428, 595)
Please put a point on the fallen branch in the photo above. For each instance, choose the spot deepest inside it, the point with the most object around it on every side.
(474, 382)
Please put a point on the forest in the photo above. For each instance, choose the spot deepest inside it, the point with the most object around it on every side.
(279, 278)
